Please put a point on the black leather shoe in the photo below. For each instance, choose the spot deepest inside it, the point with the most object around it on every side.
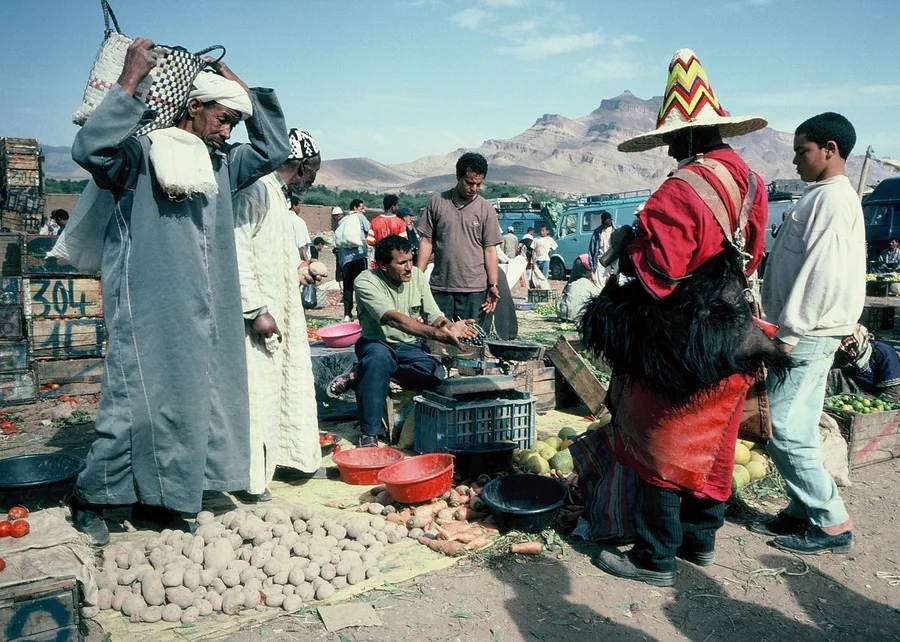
(620, 565)
(696, 558)
(251, 498)
(88, 519)
(781, 524)
(815, 541)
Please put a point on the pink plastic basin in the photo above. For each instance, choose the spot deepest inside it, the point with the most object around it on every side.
(340, 335)
(360, 466)
(418, 479)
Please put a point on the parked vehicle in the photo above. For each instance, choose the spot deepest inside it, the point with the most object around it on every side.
(519, 213)
(578, 222)
(881, 211)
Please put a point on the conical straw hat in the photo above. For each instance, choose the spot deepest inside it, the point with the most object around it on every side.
(689, 101)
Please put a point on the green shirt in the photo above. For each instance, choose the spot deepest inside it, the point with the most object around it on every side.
(375, 296)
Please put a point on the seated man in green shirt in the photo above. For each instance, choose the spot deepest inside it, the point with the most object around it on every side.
(396, 311)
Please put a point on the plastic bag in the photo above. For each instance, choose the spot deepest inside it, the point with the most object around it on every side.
(308, 296)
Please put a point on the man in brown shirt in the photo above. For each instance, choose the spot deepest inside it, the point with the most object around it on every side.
(462, 229)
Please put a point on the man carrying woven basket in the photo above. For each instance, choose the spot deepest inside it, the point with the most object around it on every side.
(173, 417)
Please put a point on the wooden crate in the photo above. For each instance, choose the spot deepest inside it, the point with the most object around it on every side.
(11, 254)
(12, 325)
(10, 290)
(69, 377)
(64, 297)
(877, 317)
(536, 378)
(577, 373)
(13, 356)
(17, 387)
(41, 610)
(870, 438)
(542, 296)
(36, 262)
(66, 338)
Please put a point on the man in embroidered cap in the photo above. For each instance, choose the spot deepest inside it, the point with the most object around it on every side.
(173, 417)
(678, 331)
(284, 428)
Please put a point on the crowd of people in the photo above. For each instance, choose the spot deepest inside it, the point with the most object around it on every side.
(208, 382)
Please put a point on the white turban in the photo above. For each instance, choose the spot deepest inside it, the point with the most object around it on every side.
(209, 86)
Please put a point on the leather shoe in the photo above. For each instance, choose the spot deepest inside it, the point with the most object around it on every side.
(697, 558)
(815, 541)
(253, 498)
(88, 519)
(781, 524)
(620, 565)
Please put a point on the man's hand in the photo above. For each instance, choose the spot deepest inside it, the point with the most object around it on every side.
(265, 326)
(784, 347)
(223, 70)
(490, 299)
(140, 59)
(620, 237)
(451, 333)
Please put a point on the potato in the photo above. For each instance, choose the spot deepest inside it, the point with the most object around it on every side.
(235, 539)
(355, 547)
(325, 591)
(277, 516)
(232, 601)
(190, 615)
(311, 571)
(300, 549)
(305, 592)
(104, 599)
(288, 589)
(280, 530)
(191, 580)
(136, 557)
(179, 595)
(203, 606)
(117, 602)
(251, 598)
(275, 599)
(314, 522)
(339, 582)
(381, 537)
(152, 614)
(263, 537)
(230, 577)
(318, 269)
(372, 571)
(171, 613)
(122, 556)
(319, 533)
(336, 531)
(281, 577)
(296, 576)
(302, 512)
(173, 577)
(375, 508)
(157, 558)
(215, 600)
(272, 566)
(366, 539)
(356, 528)
(292, 603)
(395, 536)
(133, 604)
(377, 522)
(218, 586)
(249, 573)
(199, 593)
(205, 517)
(218, 554)
(288, 539)
(207, 576)
(356, 575)
(327, 572)
(152, 589)
(108, 580)
(281, 553)
(336, 556)
(300, 526)
(210, 531)
(239, 565)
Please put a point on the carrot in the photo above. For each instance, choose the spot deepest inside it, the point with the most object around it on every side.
(464, 513)
(396, 518)
(452, 528)
(445, 513)
(489, 529)
(474, 489)
(479, 543)
(454, 499)
(417, 521)
(462, 490)
(405, 514)
(527, 548)
(469, 536)
(475, 503)
(450, 549)
(430, 510)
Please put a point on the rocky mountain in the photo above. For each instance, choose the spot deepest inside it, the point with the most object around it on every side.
(573, 156)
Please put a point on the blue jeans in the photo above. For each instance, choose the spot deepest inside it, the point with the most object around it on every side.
(544, 267)
(378, 364)
(795, 446)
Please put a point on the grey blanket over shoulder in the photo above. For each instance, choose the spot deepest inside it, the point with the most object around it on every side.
(173, 418)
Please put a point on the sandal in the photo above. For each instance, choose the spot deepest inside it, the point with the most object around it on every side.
(341, 384)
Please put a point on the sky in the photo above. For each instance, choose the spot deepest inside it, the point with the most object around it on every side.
(395, 80)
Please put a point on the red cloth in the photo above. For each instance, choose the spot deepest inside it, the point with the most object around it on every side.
(677, 232)
(384, 225)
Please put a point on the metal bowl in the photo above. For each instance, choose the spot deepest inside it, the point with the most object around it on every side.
(514, 350)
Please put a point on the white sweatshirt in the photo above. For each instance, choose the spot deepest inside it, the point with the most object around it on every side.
(815, 280)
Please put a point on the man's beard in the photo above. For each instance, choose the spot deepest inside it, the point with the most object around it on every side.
(299, 190)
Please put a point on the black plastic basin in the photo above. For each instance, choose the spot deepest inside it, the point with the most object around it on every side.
(475, 459)
(38, 481)
(527, 503)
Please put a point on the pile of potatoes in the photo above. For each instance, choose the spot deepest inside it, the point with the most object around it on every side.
(242, 560)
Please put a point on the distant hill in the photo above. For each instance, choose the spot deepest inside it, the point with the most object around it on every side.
(556, 153)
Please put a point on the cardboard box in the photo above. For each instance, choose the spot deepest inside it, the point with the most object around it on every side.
(870, 438)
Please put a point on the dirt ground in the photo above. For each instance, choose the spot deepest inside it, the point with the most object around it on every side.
(752, 591)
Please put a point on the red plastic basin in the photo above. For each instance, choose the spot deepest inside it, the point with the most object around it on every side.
(418, 479)
(340, 335)
(360, 466)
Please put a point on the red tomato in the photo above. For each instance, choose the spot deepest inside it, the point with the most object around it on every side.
(21, 528)
(2, 564)
(18, 512)
(337, 449)
(5, 528)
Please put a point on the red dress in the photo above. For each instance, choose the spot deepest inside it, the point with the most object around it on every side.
(678, 233)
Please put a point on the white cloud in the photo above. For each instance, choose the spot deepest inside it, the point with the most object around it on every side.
(503, 3)
(613, 67)
(520, 28)
(536, 48)
(847, 95)
(470, 18)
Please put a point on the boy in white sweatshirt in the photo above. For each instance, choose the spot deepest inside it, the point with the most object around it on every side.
(814, 289)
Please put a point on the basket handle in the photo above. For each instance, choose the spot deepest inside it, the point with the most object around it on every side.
(200, 53)
(107, 14)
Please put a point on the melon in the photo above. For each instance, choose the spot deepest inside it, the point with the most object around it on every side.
(553, 441)
(755, 455)
(739, 478)
(562, 462)
(565, 445)
(756, 469)
(537, 464)
(545, 450)
(741, 454)
(567, 433)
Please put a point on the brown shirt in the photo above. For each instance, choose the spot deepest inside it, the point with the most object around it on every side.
(459, 238)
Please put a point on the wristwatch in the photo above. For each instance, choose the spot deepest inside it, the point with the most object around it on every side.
(491, 285)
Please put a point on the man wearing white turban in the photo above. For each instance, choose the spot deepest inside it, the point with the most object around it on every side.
(284, 429)
(173, 416)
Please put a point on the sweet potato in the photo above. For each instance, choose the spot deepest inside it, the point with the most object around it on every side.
(527, 548)
(475, 503)
(462, 490)
(479, 543)
(430, 510)
(417, 521)
(454, 499)
(450, 549)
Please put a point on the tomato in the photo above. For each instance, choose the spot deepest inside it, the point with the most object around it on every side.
(18, 512)
(326, 439)
(5, 528)
(337, 449)
(20, 528)
(2, 564)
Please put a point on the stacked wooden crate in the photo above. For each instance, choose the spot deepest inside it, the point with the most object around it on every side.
(22, 184)
(17, 379)
(64, 311)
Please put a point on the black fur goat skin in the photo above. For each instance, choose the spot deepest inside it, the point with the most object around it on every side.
(687, 342)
